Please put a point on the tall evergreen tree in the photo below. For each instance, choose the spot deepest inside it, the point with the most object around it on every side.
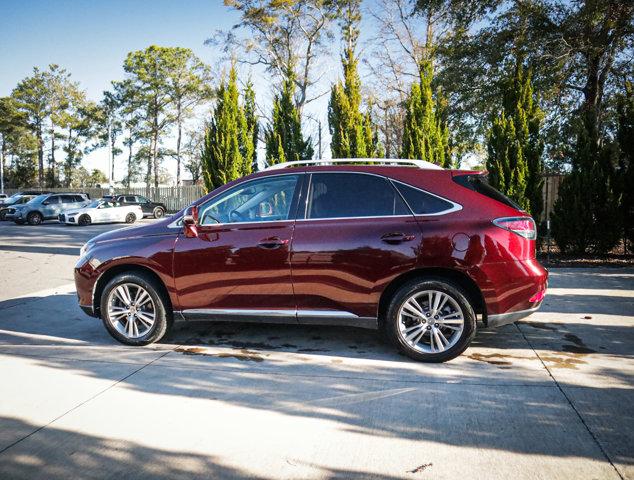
(250, 152)
(222, 156)
(625, 137)
(586, 215)
(515, 146)
(353, 135)
(283, 138)
(425, 134)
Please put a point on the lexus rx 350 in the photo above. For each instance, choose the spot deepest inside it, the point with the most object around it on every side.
(419, 252)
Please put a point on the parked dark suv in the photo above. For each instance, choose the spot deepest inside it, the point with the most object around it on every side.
(150, 208)
(416, 251)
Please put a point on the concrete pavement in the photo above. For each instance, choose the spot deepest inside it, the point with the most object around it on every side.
(549, 398)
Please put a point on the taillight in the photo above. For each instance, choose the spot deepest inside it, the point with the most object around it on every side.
(523, 226)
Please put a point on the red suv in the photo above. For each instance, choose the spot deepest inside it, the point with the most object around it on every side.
(419, 252)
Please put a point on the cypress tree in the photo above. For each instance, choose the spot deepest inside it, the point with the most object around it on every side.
(225, 138)
(585, 215)
(283, 138)
(515, 146)
(252, 126)
(425, 134)
(353, 134)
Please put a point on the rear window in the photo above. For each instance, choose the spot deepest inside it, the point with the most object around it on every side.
(479, 183)
(422, 203)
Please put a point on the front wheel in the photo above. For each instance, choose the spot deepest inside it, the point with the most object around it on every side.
(430, 320)
(130, 218)
(159, 212)
(84, 220)
(134, 309)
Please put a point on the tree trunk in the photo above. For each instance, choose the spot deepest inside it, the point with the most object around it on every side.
(51, 161)
(129, 160)
(178, 147)
(40, 156)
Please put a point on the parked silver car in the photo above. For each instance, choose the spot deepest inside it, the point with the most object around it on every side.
(47, 207)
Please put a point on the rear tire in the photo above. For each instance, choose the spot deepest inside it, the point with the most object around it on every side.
(34, 218)
(150, 302)
(84, 220)
(130, 218)
(430, 320)
(159, 212)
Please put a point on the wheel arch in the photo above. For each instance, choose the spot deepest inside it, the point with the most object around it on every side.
(471, 289)
(115, 270)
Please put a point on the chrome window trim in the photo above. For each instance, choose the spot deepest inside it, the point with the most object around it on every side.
(456, 207)
(278, 312)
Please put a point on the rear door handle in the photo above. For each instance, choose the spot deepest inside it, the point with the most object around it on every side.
(272, 242)
(397, 237)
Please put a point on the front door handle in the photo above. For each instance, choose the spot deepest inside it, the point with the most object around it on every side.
(272, 242)
(397, 237)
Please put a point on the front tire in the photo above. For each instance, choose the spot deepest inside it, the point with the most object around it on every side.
(430, 320)
(34, 218)
(130, 218)
(159, 212)
(134, 309)
(84, 220)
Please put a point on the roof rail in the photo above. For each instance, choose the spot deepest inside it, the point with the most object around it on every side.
(335, 161)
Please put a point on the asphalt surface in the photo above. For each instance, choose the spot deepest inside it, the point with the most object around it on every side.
(549, 398)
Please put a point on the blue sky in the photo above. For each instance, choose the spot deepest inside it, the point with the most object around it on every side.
(90, 38)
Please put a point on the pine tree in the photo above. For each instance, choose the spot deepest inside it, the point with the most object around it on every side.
(253, 126)
(283, 138)
(425, 134)
(515, 146)
(222, 157)
(586, 216)
(353, 134)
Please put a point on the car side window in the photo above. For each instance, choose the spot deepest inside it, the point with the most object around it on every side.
(79, 198)
(340, 195)
(68, 199)
(54, 200)
(422, 203)
(266, 199)
(140, 199)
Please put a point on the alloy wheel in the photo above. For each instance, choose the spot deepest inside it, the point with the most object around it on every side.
(131, 310)
(430, 321)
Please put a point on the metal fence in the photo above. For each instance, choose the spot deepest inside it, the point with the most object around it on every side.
(174, 198)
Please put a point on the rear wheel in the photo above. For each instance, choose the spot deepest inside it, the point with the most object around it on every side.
(84, 220)
(159, 212)
(134, 309)
(130, 218)
(34, 218)
(430, 320)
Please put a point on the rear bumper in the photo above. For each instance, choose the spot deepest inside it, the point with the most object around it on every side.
(500, 319)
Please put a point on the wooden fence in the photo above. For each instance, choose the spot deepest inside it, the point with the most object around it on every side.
(550, 193)
(174, 198)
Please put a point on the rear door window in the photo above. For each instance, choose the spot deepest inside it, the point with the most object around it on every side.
(68, 199)
(423, 203)
(352, 195)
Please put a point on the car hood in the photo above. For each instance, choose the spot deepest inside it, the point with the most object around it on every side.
(154, 229)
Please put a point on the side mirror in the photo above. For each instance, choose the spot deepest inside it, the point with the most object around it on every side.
(190, 222)
(45, 203)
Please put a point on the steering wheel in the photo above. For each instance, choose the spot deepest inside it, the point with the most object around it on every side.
(236, 216)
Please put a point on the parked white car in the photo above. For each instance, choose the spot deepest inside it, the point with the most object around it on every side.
(101, 211)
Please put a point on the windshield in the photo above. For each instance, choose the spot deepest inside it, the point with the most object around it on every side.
(93, 204)
(38, 199)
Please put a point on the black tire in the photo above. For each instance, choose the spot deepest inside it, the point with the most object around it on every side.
(159, 212)
(392, 320)
(130, 218)
(3, 216)
(163, 314)
(35, 218)
(84, 220)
